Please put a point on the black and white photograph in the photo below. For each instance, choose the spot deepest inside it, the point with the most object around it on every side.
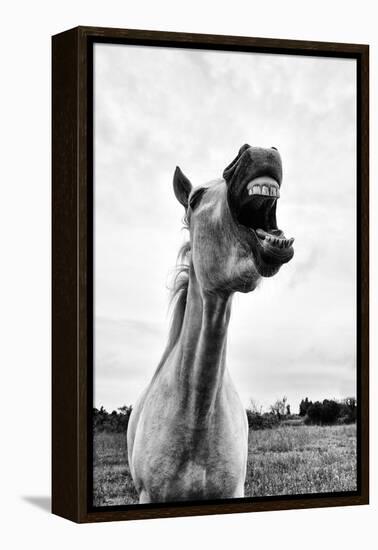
(224, 275)
(189, 255)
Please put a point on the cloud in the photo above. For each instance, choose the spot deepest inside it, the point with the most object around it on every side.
(125, 351)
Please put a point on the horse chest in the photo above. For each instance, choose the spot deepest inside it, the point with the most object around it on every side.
(176, 462)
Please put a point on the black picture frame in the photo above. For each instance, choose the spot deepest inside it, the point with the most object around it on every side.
(72, 271)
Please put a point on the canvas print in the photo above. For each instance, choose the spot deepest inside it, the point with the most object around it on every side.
(224, 331)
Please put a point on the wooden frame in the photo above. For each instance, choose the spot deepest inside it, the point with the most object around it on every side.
(72, 277)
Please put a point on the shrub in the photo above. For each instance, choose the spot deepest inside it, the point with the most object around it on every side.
(303, 406)
(327, 412)
(330, 412)
(258, 421)
(314, 413)
(111, 422)
(348, 410)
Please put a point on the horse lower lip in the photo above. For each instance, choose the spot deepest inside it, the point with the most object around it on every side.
(268, 257)
(277, 253)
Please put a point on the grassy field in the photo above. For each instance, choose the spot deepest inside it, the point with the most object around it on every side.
(282, 461)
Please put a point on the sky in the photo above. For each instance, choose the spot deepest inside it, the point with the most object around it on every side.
(155, 108)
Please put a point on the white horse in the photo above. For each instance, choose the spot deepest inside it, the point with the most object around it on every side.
(188, 432)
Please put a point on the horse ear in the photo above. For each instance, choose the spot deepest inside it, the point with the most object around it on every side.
(181, 186)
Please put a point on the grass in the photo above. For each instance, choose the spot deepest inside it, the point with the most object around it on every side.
(302, 459)
(286, 460)
(112, 482)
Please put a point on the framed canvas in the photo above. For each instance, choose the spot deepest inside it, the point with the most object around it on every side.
(247, 160)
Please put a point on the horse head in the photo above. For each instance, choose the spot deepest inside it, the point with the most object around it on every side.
(234, 235)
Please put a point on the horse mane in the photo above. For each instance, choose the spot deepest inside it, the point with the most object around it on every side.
(179, 293)
(178, 299)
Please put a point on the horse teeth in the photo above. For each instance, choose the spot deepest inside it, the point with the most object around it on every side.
(279, 242)
(264, 190)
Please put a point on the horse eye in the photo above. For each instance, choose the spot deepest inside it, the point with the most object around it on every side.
(196, 197)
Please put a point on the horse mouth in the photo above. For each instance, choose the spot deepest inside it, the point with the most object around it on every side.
(257, 213)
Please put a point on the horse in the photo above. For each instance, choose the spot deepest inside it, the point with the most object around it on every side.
(188, 432)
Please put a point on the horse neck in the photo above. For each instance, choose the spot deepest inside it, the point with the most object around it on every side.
(201, 349)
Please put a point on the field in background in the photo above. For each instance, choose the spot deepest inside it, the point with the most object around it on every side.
(281, 461)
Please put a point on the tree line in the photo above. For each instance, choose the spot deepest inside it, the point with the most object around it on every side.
(326, 412)
(116, 421)
(329, 411)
